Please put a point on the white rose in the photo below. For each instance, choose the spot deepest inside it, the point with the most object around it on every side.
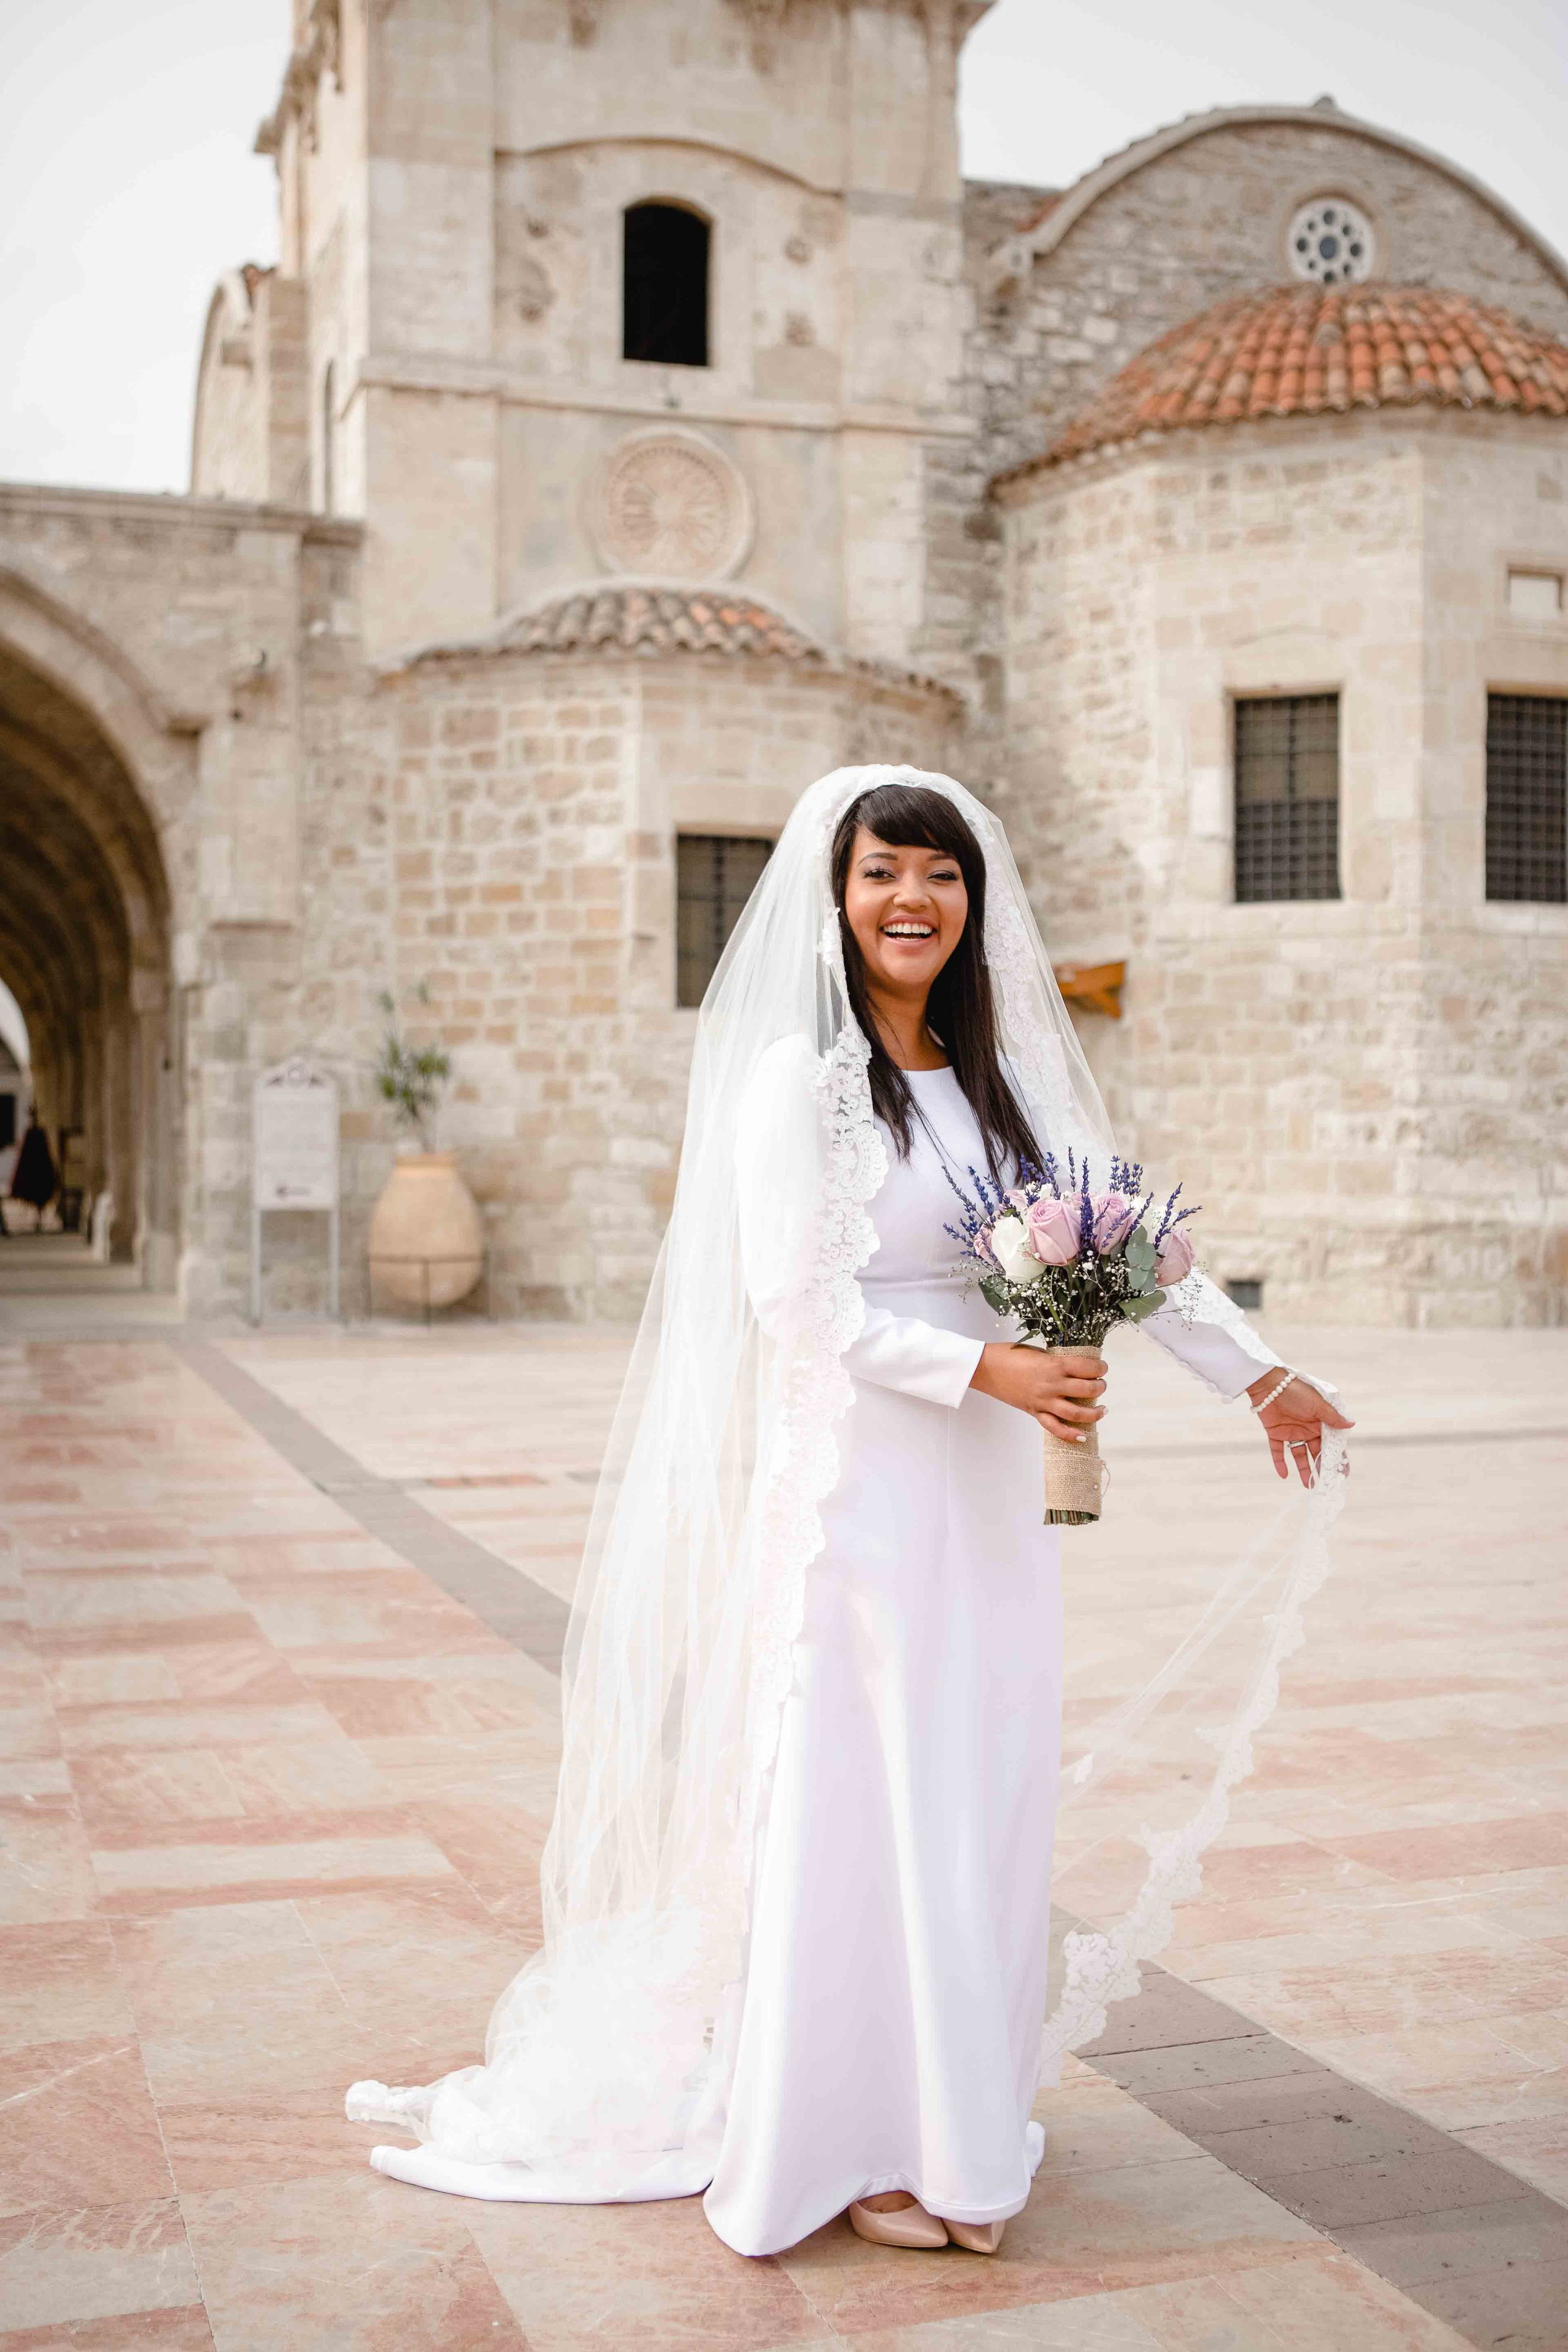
(1010, 1240)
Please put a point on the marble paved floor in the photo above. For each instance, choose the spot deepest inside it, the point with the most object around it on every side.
(272, 1802)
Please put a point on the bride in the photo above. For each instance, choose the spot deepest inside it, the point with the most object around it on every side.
(798, 1890)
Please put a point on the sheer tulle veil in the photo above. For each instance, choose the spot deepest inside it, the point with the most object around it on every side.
(608, 2056)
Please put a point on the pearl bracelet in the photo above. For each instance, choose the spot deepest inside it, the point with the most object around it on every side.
(1264, 1402)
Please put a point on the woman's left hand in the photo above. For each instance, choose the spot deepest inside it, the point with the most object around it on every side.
(1294, 1424)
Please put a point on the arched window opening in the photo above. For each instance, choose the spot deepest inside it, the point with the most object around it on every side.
(664, 309)
(329, 439)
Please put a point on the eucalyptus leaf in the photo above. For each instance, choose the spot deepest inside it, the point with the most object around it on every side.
(993, 1295)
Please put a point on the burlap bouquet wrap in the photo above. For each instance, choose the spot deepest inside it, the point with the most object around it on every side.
(1073, 1475)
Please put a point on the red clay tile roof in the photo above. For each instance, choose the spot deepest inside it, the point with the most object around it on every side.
(627, 617)
(634, 620)
(1308, 350)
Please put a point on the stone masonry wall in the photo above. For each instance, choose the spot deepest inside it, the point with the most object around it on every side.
(1348, 1086)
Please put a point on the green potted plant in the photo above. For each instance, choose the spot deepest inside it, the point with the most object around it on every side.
(426, 1244)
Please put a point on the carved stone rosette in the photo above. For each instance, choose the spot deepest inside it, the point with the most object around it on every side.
(668, 504)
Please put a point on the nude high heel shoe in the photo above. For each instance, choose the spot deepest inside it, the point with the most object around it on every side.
(976, 2237)
(908, 2225)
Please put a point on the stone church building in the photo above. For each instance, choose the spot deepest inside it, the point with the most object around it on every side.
(645, 415)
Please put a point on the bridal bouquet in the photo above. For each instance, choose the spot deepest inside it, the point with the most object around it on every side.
(1068, 1262)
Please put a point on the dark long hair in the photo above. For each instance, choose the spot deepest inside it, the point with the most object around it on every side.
(962, 1009)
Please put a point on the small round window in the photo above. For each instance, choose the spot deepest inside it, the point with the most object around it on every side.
(1330, 242)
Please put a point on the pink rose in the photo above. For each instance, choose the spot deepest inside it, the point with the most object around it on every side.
(1053, 1231)
(1114, 1218)
(1175, 1261)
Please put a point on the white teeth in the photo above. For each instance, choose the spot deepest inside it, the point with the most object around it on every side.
(910, 930)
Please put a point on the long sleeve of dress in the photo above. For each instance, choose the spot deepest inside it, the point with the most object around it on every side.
(775, 1158)
(1208, 1333)
(901, 1351)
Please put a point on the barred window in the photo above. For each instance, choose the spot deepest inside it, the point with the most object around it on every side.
(1287, 797)
(715, 875)
(664, 308)
(1527, 789)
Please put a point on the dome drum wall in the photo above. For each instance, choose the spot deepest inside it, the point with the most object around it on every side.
(1367, 1093)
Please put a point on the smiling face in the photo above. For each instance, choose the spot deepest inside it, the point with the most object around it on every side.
(906, 909)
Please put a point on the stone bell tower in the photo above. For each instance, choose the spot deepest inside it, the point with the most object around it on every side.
(616, 289)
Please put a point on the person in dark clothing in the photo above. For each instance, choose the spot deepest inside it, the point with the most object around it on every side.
(35, 1179)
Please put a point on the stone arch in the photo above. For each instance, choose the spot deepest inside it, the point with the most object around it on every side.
(85, 909)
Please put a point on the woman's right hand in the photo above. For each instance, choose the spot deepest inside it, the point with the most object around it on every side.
(1061, 1389)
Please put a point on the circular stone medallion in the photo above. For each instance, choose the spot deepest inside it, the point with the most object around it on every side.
(1331, 241)
(669, 504)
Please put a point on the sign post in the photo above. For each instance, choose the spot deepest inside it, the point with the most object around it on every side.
(294, 1146)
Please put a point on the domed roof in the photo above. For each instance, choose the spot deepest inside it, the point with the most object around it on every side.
(649, 618)
(628, 618)
(1310, 351)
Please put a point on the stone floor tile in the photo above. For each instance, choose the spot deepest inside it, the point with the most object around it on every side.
(1090, 2126)
(1246, 2058)
(1522, 2310)
(1168, 2014)
(650, 2276)
(62, 2266)
(1091, 2323)
(238, 1723)
(59, 1982)
(1519, 2233)
(407, 1949)
(234, 1997)
(1271, 2153)
(349, 2259)
(77, 2127)
(101, 1677)
(1078, 2234)
(76, 1598)
(1528, 1841)
(32, 1777)
(139, 1879)
(158, 1790)
(524, 1766)
(256, 2133)
(1536, 2150)
(1442, 2178)
(495, 1847)
(28, 1734)
(46, 1866)
(1320, 2302)
(182, 2329)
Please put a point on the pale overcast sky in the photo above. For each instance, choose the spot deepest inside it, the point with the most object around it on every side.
(127, 183)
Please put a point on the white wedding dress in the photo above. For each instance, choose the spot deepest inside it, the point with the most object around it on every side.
(888, 2031)
(796, 1889)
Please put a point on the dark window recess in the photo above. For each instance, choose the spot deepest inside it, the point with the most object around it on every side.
(664, 309)
(1526, 797)
(715, 875)
(1287, 797)
(1245, 1291)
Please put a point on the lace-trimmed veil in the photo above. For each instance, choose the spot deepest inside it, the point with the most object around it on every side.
(608, 2056)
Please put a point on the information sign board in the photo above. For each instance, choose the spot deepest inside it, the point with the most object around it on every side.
(296, 1139)
(294, 1157)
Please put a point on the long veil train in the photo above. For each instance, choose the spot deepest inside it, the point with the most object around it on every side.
(608, 2056)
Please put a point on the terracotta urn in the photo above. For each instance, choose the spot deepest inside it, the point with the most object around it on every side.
(426, 1245)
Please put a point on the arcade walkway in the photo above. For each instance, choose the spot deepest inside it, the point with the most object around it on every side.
(279, 1730)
